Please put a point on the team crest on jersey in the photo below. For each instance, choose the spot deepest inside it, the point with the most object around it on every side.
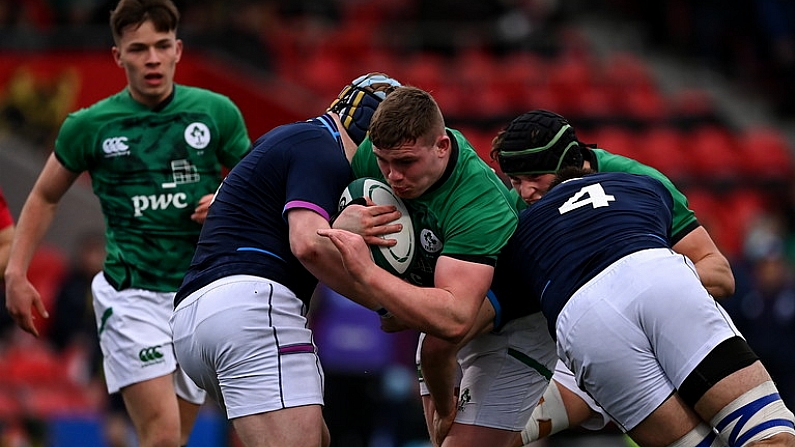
(430, 243)
(197, 135)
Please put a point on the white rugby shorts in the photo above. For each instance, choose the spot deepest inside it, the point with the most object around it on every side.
(503, 375)
(245, 340)
(135, 338)
(632, 334)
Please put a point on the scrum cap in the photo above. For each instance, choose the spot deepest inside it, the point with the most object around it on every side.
(538, 142)
(356, 102)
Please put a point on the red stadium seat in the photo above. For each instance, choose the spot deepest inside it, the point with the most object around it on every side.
(662, 148)
(615, 139)
(452, 100)
(704, 203)
(738, 210)
(714, 153)
(646, 105)
(569, 78)
(540, 98)
(692, 103)
(475, 68)
(10, 405)
(625, 71)
(325, 74)
(55, 401)
(426, 71)
(711, 215)
(488, 101)
(481, 140)
(519, 70)
(596, 102)
(766, 153)
(381, 60)
(31, 362)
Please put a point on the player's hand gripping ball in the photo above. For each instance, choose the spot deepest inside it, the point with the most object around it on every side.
(395, 259)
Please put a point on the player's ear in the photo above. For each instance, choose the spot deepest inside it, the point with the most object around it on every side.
(117, 56)
(178, 50)
(443, 144)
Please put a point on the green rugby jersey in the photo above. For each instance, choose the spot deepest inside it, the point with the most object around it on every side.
(684, 219)
(149, 169)
(467, 215)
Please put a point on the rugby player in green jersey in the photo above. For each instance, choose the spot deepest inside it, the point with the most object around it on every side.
(462, 217)
(155, 153)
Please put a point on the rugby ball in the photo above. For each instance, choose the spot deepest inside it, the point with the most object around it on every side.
(395, 259)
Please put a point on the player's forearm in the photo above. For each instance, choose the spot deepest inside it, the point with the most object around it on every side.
(716, 275)
(6, 237)
(712, 266)
(34, 220)
(434, 311)
(325, 264)
(438, 364)
(334, 275)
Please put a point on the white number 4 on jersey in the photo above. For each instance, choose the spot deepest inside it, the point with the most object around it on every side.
(592, 195)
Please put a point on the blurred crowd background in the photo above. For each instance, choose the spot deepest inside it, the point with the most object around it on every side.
(703, 90)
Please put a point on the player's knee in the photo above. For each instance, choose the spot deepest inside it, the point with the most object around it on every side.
(161, 432)
(160, 440)
(701, 436)
(757, 415)
(548, 417)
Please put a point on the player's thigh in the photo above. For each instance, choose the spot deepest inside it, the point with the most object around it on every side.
(668, 423)
(290, 427)
(463, 435)
(730, 388)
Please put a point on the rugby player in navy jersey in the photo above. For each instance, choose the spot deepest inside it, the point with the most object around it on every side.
(240, 327)
(531, 148)
(632, 319)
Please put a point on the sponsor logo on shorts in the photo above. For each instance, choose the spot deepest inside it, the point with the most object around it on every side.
(430, 242)
(151, 355)
(464, 399)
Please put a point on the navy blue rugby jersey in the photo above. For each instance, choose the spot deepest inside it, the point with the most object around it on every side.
(297, 165)
(574, 232)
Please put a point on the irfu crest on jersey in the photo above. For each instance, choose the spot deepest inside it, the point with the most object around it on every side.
(197, 135)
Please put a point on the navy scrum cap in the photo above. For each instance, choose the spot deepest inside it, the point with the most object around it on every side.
(356, 102)
(538, 142)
